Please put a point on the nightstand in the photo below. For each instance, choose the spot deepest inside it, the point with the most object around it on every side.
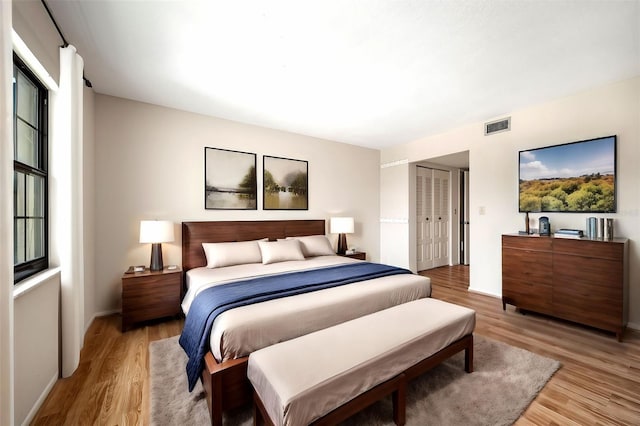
(150, 295)
(361, 255)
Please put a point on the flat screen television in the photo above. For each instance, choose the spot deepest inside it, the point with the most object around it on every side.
(577, 177)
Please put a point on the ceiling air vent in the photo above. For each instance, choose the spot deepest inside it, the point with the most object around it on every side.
(502, 125)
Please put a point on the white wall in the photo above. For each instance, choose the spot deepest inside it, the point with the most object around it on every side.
(150, 164)
(493, 163)
(394, 215)
(36, 330)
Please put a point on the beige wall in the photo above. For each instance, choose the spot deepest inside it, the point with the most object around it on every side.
(36, 342)
(150, 165)
(33, 25)
(88, 208)
(613, 109)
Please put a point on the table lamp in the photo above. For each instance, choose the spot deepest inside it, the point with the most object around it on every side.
(341, 226)
(156, 232)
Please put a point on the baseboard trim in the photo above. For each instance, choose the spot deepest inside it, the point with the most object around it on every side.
(99, 314)
(105, 313)
(88, 324)
(484, 293)
(633, 326)
(40, 401)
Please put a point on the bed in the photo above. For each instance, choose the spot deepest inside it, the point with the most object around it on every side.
(241, 330)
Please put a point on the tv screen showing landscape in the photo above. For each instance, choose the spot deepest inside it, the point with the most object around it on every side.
(578, 177)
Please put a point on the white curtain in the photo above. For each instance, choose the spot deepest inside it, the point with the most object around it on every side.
(6, 217)
(66, 172)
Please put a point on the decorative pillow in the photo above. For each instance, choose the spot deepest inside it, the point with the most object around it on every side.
(234, 253)
(315, 245)
(280, 251)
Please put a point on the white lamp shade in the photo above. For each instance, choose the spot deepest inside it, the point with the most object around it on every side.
(341, 225)
(156, 231)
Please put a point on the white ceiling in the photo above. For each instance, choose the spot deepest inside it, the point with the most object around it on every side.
(372, 73)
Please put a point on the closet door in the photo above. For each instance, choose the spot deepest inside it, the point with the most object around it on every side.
(441, 220)
(424, 218)
(433, 204)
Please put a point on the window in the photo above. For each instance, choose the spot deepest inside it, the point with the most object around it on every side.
(30, 183)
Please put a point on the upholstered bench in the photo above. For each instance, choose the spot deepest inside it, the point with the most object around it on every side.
(329, 375)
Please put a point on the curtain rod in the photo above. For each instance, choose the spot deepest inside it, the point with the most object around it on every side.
(64, 40)
(55, 24)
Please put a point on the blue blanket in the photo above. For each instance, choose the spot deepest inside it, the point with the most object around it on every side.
(215, 300)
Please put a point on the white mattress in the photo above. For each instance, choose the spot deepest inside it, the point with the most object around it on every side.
(240, 331)
(304, 379)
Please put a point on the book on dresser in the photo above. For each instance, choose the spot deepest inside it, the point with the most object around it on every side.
(569, 233)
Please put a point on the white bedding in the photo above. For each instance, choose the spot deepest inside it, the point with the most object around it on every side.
(199, 279)
(240, 331)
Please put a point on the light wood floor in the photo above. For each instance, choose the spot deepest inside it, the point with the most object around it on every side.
(598, 384)
(599, 381)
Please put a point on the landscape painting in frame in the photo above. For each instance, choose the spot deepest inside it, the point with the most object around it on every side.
(285, 184)
(577, 177)
(230, 180)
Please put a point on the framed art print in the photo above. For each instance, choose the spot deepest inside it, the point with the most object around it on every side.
(575, 177)
(230, 180)
(285, 184)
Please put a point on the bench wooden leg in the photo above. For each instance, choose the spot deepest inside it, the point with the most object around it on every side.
(468, 356)
(257, 417)
(399, 399)
(260, 416)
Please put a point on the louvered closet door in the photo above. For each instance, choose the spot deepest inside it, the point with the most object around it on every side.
(433, 204)
(441, 225)
(424, 222)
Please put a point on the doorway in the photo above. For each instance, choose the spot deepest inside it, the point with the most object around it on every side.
(464, 217)
(442, 228)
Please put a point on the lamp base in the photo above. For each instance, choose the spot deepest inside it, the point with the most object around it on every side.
(156, 257)
(342, 243)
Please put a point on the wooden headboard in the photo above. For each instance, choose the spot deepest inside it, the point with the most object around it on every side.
(196, 233)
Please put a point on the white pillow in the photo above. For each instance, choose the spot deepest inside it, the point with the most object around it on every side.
(234, 253)
(315, 245)
(280, 251)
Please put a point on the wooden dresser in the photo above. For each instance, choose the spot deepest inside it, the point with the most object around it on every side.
(580, 280)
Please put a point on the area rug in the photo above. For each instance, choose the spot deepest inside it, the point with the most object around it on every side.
(504, 382)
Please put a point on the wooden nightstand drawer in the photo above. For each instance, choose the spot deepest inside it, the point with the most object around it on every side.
(357, 255)
(150, 295)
